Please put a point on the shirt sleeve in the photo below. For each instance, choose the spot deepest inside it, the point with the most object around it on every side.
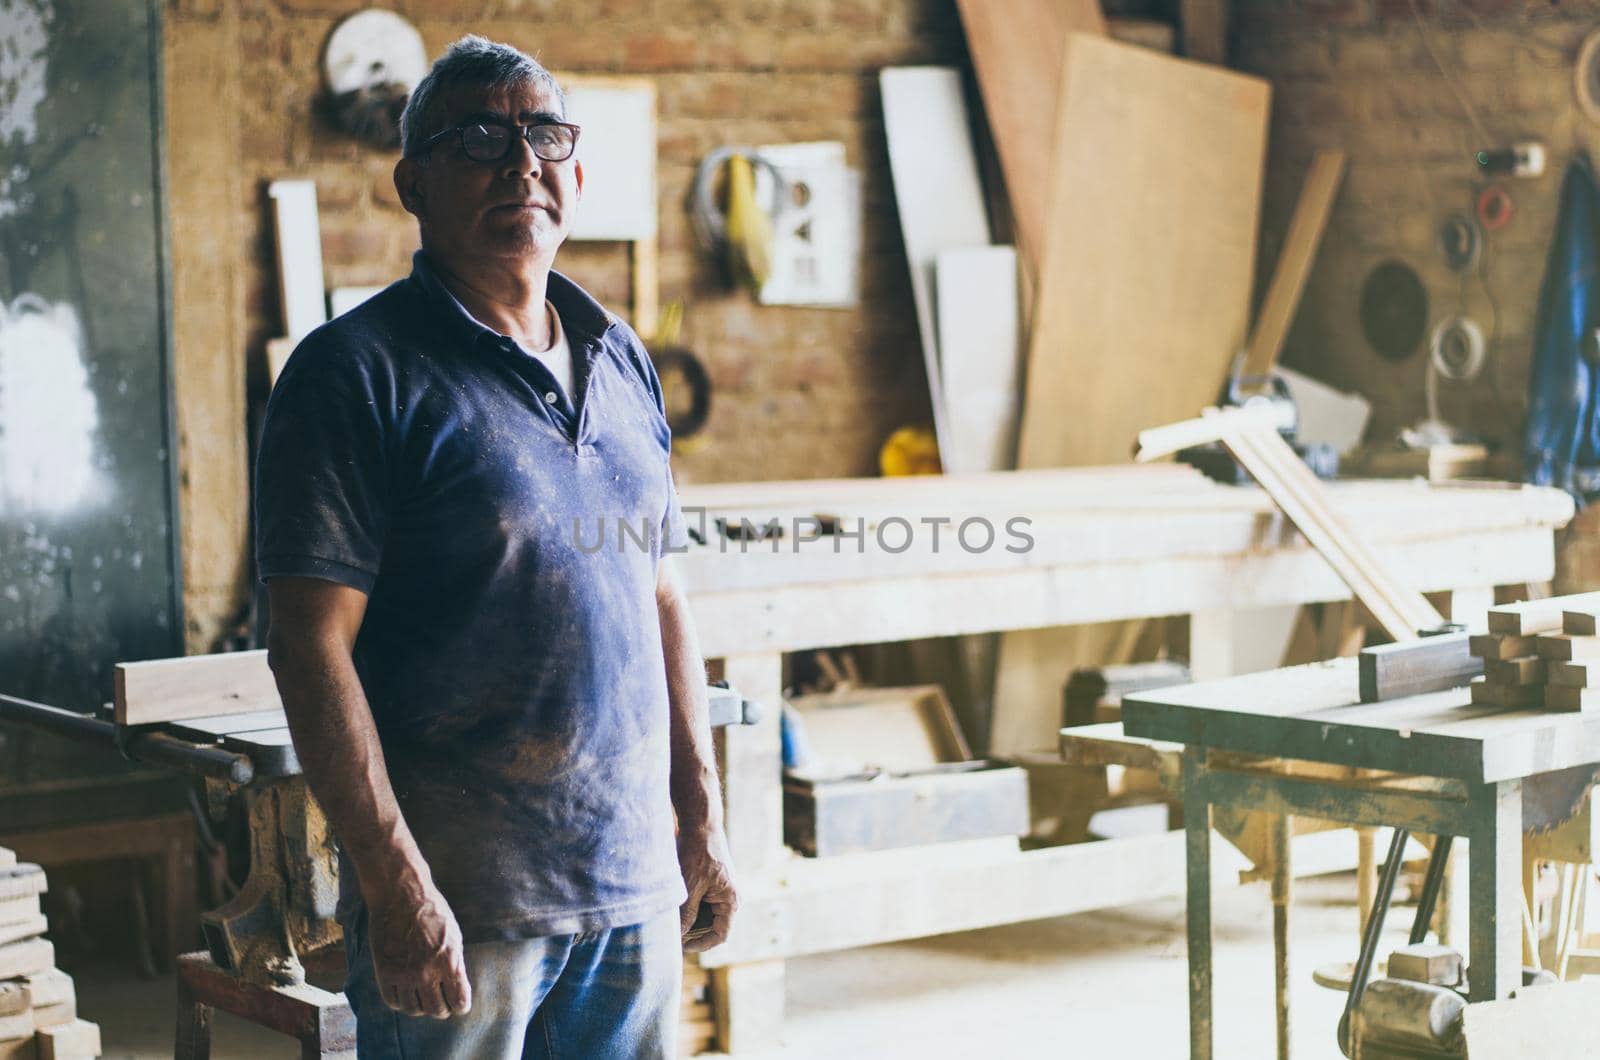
(322, 474)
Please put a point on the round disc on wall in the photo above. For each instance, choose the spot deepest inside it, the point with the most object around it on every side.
(1394, 310)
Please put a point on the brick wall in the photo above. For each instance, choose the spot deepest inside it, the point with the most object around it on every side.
(798, 392)
(1359, 74)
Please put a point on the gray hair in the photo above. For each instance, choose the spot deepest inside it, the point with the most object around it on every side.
(472, 60)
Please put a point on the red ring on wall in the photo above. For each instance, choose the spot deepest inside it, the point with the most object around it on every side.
(1494, 208)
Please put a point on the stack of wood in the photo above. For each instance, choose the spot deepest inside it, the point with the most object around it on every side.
(1542, 654)
(697, 1033)
(38, 1008)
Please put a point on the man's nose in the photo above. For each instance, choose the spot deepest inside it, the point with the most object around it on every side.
(521, 161)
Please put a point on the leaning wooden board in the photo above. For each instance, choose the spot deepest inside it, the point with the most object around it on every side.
(1018, 49)
(1143, 298)
(1145, 288)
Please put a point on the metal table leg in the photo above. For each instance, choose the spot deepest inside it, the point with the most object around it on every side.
(1197, 833)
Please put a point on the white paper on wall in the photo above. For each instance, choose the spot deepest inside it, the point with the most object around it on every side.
(617, 148)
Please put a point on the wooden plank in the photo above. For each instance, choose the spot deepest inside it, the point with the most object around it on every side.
(1538, 616)
(1427, 665)
(1565, 647)
(1581, 623)
(1312, 713)
(26, 958)
(77, 1040)
(1574, 674)
(980, 356)
(1523, 670)
(1145, 285)
(1498, 646)
(1518, 696)
(925, 122)
(1294, 263)
(194, 687)
(1019, 53)
(863, 611)
(1571, 699)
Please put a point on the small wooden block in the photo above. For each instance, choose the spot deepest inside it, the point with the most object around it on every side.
(20, 909)
(1573, 674)
(1493, 646)
(20, 1048)
(14, 998)
(1538, 616)
(1565, 647)
(56, 1015)
(8, 857)
(1510, 696)
(19, 881)
(1580, 623)
(1426, 962)
(50, 987)
(1524, 670)
(26, 958)
(16, 1025)
(1567, 699)
(78, 1040)
(25, 929)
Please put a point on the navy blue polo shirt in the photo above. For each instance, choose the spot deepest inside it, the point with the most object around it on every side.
(508, 545)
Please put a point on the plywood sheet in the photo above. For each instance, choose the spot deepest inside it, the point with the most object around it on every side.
(1018, 50)
(1143, 296)
(936, 191)
(979, 357)
(1145, 287)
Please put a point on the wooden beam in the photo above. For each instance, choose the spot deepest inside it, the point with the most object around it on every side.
(1294, 263)
(194, 687)
(1407, 669)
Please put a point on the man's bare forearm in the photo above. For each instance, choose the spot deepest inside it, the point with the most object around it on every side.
(696, 793)
(337, 744)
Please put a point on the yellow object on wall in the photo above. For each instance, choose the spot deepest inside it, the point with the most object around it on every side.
(910, 451)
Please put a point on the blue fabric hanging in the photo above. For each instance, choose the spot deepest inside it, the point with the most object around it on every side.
(1562, 433)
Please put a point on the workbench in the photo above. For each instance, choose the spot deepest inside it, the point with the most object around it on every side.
(1449, 768)
(1109, 544)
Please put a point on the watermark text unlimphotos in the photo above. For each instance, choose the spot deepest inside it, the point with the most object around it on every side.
(894, 534)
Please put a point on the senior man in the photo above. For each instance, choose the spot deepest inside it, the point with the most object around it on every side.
(503, 722)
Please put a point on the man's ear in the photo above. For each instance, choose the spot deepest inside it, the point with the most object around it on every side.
(408, 184)
(577, 167)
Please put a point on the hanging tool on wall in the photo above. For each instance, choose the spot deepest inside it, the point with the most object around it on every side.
(740, 228)
(685, 383)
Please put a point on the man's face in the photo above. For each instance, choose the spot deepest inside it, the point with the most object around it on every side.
(518, 208)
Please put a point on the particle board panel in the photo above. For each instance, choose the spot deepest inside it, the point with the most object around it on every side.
(1019, 52)
(1145, 285)
(927, 127)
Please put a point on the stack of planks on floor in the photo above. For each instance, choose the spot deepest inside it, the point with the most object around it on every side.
(1542, 654)
(697, 1031)
(38, 1009)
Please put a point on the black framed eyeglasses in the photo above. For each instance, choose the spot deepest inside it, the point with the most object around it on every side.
(488, 141)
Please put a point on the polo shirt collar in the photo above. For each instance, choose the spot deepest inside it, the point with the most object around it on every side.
(583, 318)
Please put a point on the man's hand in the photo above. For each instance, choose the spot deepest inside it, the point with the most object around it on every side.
(417, 953)
(708, 874)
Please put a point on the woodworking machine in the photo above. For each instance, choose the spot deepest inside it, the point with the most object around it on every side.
(286, 905)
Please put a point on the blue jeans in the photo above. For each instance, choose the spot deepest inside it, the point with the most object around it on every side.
(600, 995)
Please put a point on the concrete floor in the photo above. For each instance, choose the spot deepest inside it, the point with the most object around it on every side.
(1104, 983)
